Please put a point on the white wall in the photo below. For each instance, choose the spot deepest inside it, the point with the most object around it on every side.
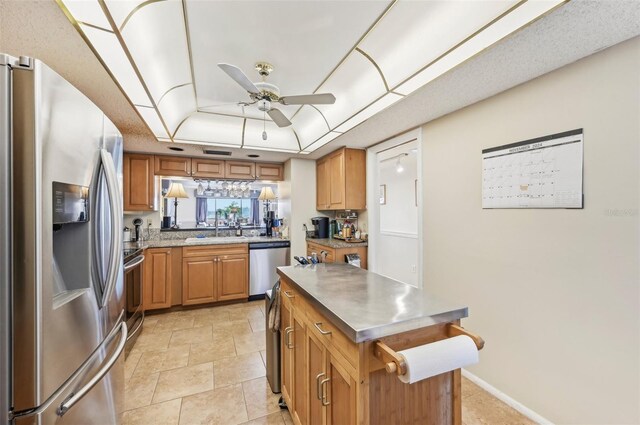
(300, 184)
(555, 293)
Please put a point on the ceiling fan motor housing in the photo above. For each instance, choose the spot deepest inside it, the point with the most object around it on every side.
(268, 91)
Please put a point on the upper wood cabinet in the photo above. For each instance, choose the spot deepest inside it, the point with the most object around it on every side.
(173, 166)
(266, 171)
(323, 182)
(210, 168)
(138, 182)
(240, 170)
(157, 278)
(341, 180)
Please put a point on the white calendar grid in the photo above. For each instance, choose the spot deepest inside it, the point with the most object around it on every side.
(540, 173)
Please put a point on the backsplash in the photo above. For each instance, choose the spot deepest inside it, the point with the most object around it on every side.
(154, 234)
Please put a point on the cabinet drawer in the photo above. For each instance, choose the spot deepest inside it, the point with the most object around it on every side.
(335, 340)
(208, 250)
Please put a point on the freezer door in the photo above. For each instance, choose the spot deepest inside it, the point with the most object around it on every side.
(64, 305)
(5, 237)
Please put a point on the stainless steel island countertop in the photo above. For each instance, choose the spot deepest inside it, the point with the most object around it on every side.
(365, 305)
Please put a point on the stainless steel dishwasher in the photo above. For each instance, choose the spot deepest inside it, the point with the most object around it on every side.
(264, 258)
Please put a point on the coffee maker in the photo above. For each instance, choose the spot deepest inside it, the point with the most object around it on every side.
(320, 227)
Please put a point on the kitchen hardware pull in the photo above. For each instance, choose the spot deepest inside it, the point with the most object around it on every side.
(324, 393)
(113, 189)
(288, 295)
(287, 332)
(135, 262)
(317, 325)
(77, 396)
(319, 385)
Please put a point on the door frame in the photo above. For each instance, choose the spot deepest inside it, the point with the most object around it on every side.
(373, 201)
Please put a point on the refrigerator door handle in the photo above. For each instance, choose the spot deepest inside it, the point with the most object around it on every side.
(76, 397)
(115, 259)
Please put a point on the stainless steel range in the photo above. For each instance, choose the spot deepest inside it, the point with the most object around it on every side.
(134, 313)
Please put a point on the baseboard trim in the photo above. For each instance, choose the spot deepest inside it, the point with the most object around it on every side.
(506, 399)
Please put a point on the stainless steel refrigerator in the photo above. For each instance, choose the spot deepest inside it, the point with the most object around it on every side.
(61, 295)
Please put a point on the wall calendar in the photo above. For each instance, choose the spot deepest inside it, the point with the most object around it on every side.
(545, 172)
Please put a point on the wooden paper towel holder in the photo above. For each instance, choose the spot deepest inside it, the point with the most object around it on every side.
(394, 363)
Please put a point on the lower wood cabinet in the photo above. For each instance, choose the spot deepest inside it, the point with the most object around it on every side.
(157, 278)
(318, 383)
(214, 273)
(199, 280)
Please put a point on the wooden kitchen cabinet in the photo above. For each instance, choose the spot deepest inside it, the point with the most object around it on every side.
(199, 280)
(339, 393)
(174, 166)
(157, 278)
(214, 273)
(232, 279)
(240, 170)
(341, 180)
(316, 360)
(323, 182)
(265, 171)
(286, 350)
(207, 168)
(138, 182)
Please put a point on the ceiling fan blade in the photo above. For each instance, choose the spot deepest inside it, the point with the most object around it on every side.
(278, 117)
(309, 99)
(239, 77)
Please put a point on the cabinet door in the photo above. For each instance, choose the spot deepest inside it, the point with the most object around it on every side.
(172, 166)
(269, 171)
(316, 373)
(157, 278)
(233, 277)
(337, 187)
(211, 168)
(322, 185)
(299, 368)
(198, 280)
(138, 182)
(286, 348)
(340, 394)
(240, 170)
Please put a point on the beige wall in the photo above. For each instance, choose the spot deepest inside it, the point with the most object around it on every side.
(555, 293)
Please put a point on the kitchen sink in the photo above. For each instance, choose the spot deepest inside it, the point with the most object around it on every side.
(218, 239)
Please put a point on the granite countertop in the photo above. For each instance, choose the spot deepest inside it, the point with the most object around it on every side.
(220, 240)
(365, 305)
(336, 243)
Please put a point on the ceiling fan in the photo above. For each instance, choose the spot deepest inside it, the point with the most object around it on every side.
(264, 94)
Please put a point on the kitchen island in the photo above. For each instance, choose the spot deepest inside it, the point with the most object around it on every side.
(341, 329)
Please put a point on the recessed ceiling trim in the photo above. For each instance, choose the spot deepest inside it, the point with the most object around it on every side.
(384, 80)
(244, 126)
(188, 34)
(322, 115)
(172, 88)
(95, 26)
(76, 25)
(373, 25)
(297, 138)
(126, 51)
(490, 23)
(232, 115)
(135, 9)
(180, 125)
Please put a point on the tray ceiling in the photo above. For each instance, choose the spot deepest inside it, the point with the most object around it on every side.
(370, 54)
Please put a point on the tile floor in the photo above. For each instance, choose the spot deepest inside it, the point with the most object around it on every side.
(207, 366)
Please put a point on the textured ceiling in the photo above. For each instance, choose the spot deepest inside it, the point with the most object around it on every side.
(578, 29)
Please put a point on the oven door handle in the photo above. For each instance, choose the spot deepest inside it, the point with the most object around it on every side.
(131, 264)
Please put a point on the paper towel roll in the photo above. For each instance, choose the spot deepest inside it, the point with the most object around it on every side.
(438, 357)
